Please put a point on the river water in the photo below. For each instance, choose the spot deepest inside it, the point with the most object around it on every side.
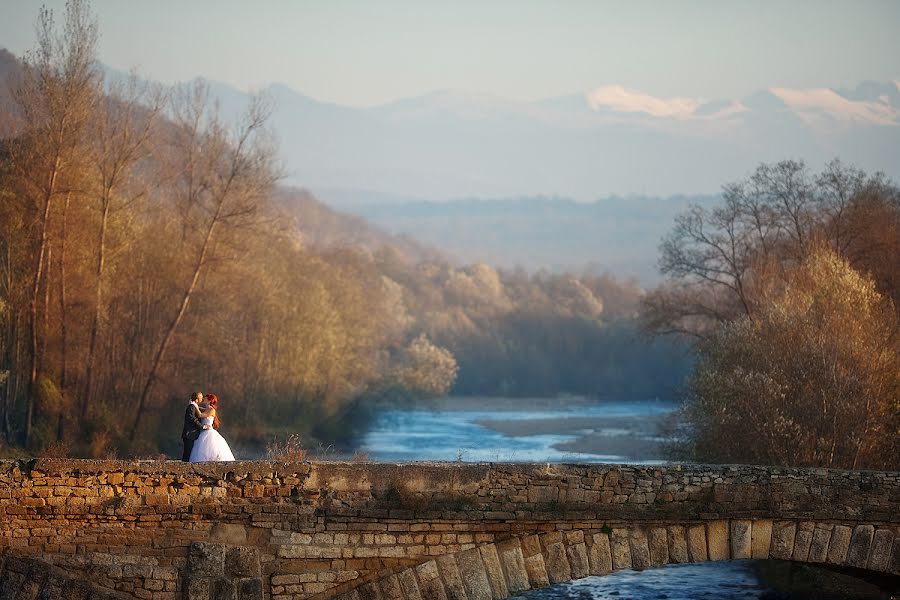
(490, 430)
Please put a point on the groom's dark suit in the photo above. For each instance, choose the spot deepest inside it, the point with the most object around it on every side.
(191, 431)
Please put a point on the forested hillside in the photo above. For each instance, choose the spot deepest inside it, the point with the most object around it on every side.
(146, 251)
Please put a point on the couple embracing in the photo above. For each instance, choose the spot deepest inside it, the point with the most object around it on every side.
(202, 441)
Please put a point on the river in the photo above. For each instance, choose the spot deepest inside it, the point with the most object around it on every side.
(539, 430)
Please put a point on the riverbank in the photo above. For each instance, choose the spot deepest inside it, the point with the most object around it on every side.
(634, 438)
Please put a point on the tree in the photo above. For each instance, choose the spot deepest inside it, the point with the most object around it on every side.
(720, 261)
(54, 99)
(813, 379)
(222, 178)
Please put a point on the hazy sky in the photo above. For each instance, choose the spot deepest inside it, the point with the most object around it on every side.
(368, 52)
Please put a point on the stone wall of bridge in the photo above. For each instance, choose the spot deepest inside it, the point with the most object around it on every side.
(165, 530)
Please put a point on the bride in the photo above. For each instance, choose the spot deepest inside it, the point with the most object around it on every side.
(210, 446)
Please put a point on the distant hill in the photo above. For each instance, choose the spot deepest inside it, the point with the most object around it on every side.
(617, 235)
(325, 228)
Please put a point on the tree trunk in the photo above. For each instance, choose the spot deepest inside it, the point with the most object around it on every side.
(98, 299)
(64, 373)
(35, 293)
(173, 326)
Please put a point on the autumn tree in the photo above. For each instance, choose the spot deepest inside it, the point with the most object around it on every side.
(53, 101)
(813, 379)
(221, 179)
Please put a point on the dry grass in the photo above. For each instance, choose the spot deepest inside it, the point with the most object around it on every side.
(291, 450)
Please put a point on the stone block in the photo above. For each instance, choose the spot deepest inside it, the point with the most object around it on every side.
(839, 544)
(860, 542)
(621, 549)
(228, 533)
(390, 588)
(369, 591)
(880, 556)
(537, 571)
(802, 540)
(206, 560)
(427, 571)
(600, 554)
(198, 588)
(783, 533)
(717, 540)
(474, 576)
(557, 563)
(513, 561)
(543, 494)
(659, 546)
(242, 562)
(450, 575)
(696, 542)
(741, 539)
(409, 585)
(223, 588)
(818, 547)
(433, 589)
(250, 588)
(531, 545)
(578, 560)
(494, 571)
(677, 539)
(894, 566)
(640, 550)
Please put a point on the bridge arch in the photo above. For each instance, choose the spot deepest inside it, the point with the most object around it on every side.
(518, 564)
(165, 530)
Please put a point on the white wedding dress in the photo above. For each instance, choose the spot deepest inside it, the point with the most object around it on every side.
(210, 446)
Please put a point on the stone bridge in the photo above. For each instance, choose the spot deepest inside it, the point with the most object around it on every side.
(166, 530)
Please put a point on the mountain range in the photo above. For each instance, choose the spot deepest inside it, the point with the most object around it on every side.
(610, 140)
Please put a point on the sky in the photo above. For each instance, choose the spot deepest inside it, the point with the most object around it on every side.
(367, 53)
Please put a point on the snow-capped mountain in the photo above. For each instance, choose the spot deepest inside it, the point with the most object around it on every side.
(607, 140)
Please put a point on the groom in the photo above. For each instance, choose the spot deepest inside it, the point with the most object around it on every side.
(192, 425)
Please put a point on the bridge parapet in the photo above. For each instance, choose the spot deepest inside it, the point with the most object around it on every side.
(323, 529)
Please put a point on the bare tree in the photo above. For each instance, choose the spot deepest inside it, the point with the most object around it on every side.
(222, 177)
(124, 122)
(58, 88)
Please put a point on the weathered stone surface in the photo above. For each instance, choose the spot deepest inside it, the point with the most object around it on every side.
(860, 542)
(494, 571)
(761, 538)
(659, 546)
(741, 539)
(640, 551)
(557, 563)
(802, 540)
(223, 588)
(206, 560)
(409, 585)
(894, 567)
(677, 540)
(369, 591)
(474, 577)
(783, 533)
(250, 588)
(578, 560)
(621, 549)
(537, 571)
(510, 552)
(880, 556)
(600, 554)
(818, 547)
(390, 588)
(696, 538)
(242, 562)
(531, 545)
(430, 584)
(451, 577)
(839, 544)
(717, 540)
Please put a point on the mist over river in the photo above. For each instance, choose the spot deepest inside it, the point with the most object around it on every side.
(575, 431)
